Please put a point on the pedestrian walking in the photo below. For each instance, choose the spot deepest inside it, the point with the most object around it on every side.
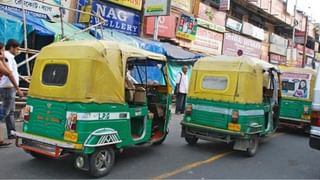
(7, 90)
(181, 89)
(5, 72)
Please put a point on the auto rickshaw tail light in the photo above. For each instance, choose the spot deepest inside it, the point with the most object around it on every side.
(189, 110)
(315, 118)
(306, 109)
(26, 113)
(235, 116)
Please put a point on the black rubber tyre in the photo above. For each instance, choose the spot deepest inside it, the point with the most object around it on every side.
(253, 147)
(191, 140)
(101, 161)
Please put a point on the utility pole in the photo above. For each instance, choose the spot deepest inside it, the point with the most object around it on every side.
(294, 22)
(156, 28)
(305, 42)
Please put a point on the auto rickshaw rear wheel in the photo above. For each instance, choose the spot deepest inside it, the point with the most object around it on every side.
(101, 161)
(191, 140)
(253, 145)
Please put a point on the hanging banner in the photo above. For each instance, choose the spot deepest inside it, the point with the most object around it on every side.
(253, 31)
(166, 26)
(233, 43)
(38, 9)
(187, 27)
(296, 84)
(184, 5)
(157, 7)
(134, 4)
(117, 17)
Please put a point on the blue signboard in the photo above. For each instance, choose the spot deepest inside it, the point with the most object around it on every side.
(117, 17)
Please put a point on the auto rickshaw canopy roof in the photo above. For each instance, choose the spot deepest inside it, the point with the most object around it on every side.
(230, 79)
(96, 71)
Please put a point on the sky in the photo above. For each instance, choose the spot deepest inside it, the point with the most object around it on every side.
(314, 9)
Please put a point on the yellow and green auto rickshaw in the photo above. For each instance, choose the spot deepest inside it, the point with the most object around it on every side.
(79, 103)
(232, 99)
(297, 91)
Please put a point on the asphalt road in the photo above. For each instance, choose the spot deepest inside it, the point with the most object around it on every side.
(285, 155)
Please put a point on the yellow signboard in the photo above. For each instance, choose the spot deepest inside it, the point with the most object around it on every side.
(134, 4)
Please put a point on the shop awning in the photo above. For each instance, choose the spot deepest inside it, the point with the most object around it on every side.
(11, 28)
(178, 54)
(69, 30)
(33, 21)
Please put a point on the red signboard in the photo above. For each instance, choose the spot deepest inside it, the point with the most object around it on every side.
(233, 43)
(277, 59)
(167, 26)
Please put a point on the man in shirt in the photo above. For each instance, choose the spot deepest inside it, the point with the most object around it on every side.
(182, 89)
(7, 90)
(5, 72)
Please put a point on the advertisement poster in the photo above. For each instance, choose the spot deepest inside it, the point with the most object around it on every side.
(116, 17)
(296, 85)
(187, 28)
(167, 26)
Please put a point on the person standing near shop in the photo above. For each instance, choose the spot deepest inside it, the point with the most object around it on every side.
(7, 89)
(181, 90)
(6, 73)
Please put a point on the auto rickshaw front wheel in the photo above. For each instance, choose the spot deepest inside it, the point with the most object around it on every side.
(253, 145)
(101, 161)
(191, 140)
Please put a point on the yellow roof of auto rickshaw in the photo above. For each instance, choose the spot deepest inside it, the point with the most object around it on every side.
(231, 63)
(96, 71)
(92, 49)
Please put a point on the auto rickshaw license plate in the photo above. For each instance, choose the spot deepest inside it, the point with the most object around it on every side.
(71, 136)
(234, 127)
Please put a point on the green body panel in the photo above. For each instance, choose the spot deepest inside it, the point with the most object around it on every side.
(293, 109)
(217, 115)
(48, 119)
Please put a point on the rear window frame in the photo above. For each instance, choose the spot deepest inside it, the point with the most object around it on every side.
(58, 84)
(215, 76)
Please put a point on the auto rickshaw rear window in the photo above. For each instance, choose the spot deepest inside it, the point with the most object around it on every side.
(55, 74)
(214, 83)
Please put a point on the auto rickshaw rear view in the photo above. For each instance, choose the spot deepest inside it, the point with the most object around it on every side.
(93, 98)
(232, 99)
(297, 91)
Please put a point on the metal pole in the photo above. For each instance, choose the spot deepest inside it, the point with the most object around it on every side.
(25, 36)
(294, 22)
(305, 42)
(61, 21)
(156, 27)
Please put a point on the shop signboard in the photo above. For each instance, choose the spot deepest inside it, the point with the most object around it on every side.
(167, 25)
(253, 31)
(233, 24)
(296, 84)
(234, 42)
(157, 7)
(187, 27)
(224, 5)
(38, 9)
(278, 50)
(184, 5)
(277, 59)
(211, 14)
(210, 25)
(134, 4)
(278, 40)
(116, 17)
(207, 41)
